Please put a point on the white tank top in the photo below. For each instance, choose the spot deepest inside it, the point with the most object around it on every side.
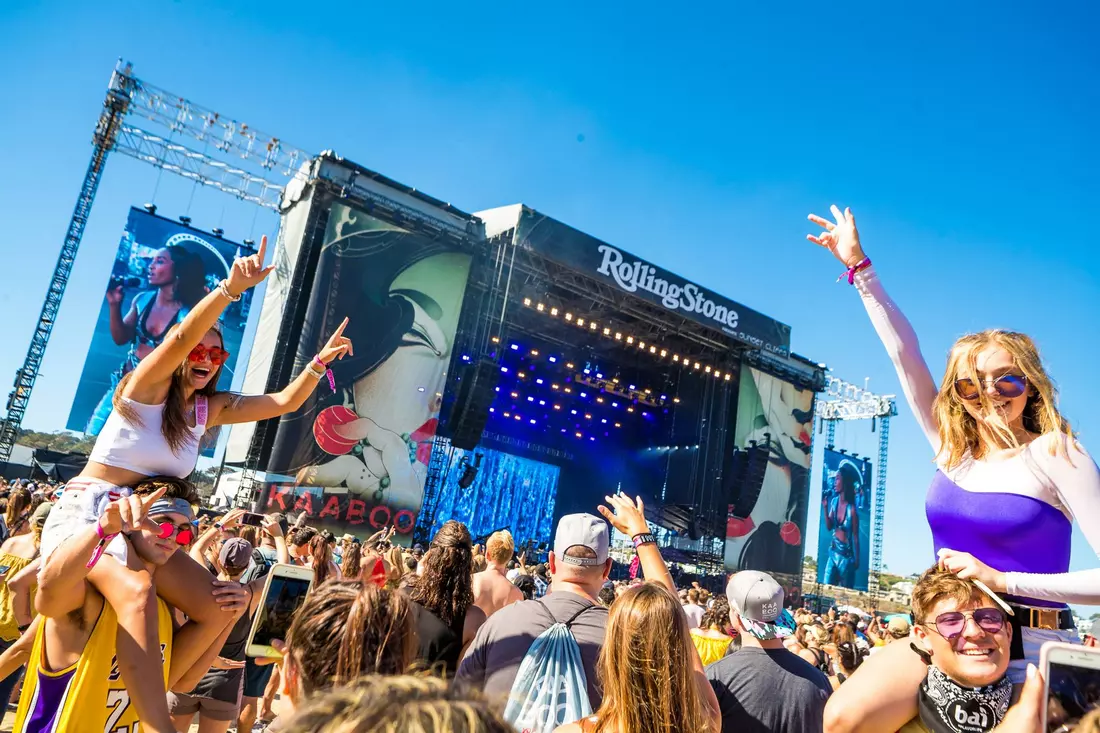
(143, 448)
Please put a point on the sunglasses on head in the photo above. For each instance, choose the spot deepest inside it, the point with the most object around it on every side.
(215, 354)
(950, 625)
(184, 533)
(1007, 385)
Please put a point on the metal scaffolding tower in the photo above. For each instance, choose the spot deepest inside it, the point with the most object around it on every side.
(236, 159)
(845, 401)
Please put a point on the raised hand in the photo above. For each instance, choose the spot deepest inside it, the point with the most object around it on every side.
(128, 513)
(337, 346)
(840, 236)
(625, 514)
(968, 567)
(271, 526)
(248, 272)
(232, 518)
(114, 295)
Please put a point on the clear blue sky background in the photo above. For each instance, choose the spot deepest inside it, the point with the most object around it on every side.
(962, 134)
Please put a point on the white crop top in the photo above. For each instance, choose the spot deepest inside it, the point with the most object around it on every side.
(143, 448)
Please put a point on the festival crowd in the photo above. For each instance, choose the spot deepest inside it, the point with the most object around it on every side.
(125, 608)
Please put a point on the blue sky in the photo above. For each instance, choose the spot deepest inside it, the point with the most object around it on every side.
(962, 135)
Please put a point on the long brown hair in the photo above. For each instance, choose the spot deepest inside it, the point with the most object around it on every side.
(19, 510)
(959, 432)
(320, 558)
(352, 564)
(447, 586)
(345, 630)
(174, 426)
(646, 667)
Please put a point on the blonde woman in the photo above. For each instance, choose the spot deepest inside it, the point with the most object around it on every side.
(1011, 478)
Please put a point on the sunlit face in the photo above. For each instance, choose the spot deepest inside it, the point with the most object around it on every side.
(162, 270)
(976, 657)
(148, 544)
(993, 362)
(198, 374)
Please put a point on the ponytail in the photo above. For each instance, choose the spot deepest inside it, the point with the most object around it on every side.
(353, 561)
(19, 508)
(321, 556)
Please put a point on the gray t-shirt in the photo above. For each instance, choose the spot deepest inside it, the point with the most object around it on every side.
(769, 690)
(492, 661)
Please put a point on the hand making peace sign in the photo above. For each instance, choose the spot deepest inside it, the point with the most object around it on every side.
(337, 347)
(128, 513)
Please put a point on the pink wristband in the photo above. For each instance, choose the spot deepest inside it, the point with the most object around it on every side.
(104, 539)
(850, 273)
(328, 372)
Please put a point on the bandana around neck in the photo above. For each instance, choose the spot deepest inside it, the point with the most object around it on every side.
(947, 707)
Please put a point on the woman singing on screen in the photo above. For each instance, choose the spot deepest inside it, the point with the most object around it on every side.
(178, 279)
(1011, 479)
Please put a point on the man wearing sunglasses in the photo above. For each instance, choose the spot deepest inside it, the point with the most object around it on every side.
(963, 633)
(73, 679)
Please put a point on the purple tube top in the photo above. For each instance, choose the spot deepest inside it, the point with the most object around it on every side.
(1008, 532)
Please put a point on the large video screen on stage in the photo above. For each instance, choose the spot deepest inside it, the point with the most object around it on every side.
(844, 535)
(161, 270)
(359, 456)
(778, 415)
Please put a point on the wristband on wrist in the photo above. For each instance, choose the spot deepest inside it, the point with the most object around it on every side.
(850, 273)
(326, 371)
(104, 538)
(643, 538)
(223, 286)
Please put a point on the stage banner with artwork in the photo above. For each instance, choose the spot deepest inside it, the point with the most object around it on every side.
(844, 535)
(161, 270)
(355, 460)
(778, 416)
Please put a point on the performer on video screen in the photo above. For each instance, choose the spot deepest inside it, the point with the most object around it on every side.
(177, 280)
(838, 506)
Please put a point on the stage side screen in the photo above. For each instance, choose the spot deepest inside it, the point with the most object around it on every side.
(356, 460)
(779, 415)
(161, 270)
(844, 535)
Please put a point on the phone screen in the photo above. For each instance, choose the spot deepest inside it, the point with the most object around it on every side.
(284, 597)
(252, 520)
(1074, 691)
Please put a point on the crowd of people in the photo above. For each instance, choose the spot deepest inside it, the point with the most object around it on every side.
(125, 608)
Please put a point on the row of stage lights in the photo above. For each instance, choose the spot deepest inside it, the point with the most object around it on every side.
(607, 331)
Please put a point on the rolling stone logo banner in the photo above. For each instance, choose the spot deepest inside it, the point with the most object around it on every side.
(355, 460)
(633, 275)
(844, 535)
(161, 270)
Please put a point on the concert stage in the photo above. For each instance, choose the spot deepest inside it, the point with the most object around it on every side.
(510, 369)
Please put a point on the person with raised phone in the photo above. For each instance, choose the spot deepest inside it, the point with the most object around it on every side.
(73, 674)
(162, 409)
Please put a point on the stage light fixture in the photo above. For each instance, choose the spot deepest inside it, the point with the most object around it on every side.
(599, 376)
(516, 416)
(419, 389)
(554, 386)
(507, 414)
(572, 412)
(568, 316)
(630, 339)
(717, 374)
(630, 409)
(553, 311)
(676, 400)
(530, 399)
(593, 325)
(707, 369)
(540, 307)
(515, 347)
(584, 395)
(641, 344)
(496, 339)
(653, 349)
(614, 404)
(587, 370)
(606, 331)
(542, 403)
(527, 301)
(664, 353)
(696, 365)
(580, 322)
(523, 375)
(648, 391)
(465, 357)
(587, 416)
(534, 352)
(492, 409)
(469, 471)
(676, 357)
(579, 435)
(504, 369)
(557, 407)
(553, 360)
(632, 388)
(615, 380)
(569, 365)
(618, 425)
(604, 420)
(618, 336)
(728, 376)
(532, 421)
(600, 400)
(515, 395)
(538, 381)
(568, 390)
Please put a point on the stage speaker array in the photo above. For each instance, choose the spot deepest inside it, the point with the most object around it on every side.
(747, 479)
(475, 395)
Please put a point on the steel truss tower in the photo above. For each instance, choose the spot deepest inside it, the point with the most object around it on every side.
(845, 401)
(236, 159)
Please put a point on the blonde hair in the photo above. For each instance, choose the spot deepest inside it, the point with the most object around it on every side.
(500, 547)
(959, 432)
(935, 585)
(815, 635)
(397, 704)
(646, 667)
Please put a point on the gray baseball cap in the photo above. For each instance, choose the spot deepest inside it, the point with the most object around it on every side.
(584, 530)
(758, 599)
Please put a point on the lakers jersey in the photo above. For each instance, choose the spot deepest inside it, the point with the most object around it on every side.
(88, 696)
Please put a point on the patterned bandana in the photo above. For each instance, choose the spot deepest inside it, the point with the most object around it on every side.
(948, 707)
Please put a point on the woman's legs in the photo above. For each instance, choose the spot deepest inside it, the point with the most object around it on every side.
(182, 722)
(209, 725)
(266, 712)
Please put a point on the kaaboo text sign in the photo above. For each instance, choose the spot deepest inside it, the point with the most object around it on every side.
(589, 255)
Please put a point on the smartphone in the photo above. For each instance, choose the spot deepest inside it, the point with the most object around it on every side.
(252, 520)
(284, 593)
(4, 569)
(1071, 673)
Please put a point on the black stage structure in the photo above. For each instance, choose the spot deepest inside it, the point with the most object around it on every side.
(511, 369)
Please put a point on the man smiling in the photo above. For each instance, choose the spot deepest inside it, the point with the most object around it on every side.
(963, 633)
